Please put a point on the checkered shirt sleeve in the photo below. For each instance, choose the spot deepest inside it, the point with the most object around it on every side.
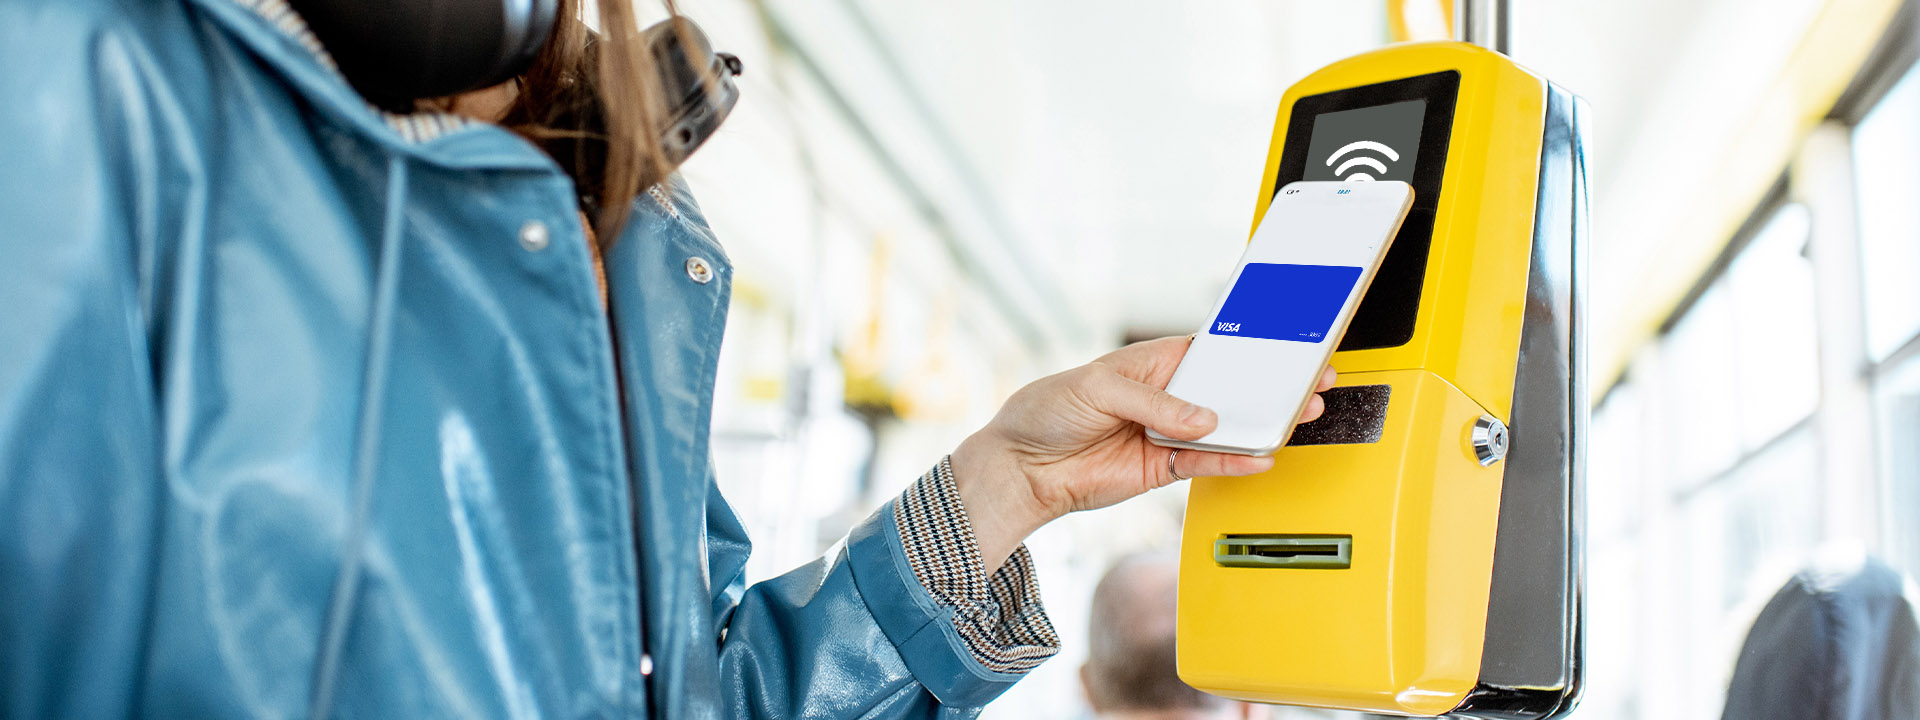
(1000, 617)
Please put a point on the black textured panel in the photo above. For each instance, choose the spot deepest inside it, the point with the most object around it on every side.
(1355, 415)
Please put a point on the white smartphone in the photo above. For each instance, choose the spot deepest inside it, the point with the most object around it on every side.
(1285, 308)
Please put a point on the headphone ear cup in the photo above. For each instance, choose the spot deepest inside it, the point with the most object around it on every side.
(397, 51)
(696, 83)
(529, 27)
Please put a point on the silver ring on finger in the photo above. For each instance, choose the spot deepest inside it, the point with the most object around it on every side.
(1177, 477)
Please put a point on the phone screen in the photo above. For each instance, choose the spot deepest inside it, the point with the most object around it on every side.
(1285, 307)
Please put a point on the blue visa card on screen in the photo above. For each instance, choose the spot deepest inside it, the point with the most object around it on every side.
(1285, 302)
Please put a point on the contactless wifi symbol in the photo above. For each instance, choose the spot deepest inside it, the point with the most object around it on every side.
(1351, 170)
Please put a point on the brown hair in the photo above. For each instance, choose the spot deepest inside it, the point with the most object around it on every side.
(594, 102)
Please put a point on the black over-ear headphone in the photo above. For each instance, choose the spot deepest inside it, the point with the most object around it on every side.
(397, 51)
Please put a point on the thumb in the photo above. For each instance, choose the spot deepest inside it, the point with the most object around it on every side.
(1128, 399)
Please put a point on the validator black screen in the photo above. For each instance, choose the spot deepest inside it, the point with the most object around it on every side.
(1387, 314)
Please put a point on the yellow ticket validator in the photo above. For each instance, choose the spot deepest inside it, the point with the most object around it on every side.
(1416, 551)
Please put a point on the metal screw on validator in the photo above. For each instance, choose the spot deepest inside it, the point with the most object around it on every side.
(1489, 440)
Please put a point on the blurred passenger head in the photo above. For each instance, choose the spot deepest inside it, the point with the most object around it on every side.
(1130, 657)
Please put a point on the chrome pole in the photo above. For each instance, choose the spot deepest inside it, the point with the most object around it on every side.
(1483, 23)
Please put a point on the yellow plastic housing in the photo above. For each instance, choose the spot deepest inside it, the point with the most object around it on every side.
(1399, 631)
(1475, 288)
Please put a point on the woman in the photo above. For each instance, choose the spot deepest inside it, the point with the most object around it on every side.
(309, 409)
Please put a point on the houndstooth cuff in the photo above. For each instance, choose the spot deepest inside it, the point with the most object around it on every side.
(1000, 617)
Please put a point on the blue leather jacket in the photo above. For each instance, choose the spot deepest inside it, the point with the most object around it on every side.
(310, 411)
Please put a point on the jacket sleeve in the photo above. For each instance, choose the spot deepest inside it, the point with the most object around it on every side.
(81, 202)
(900, 620)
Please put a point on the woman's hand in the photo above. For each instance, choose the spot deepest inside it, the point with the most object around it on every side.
(1073, 441)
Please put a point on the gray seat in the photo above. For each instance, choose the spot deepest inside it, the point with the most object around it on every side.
(1833, 644)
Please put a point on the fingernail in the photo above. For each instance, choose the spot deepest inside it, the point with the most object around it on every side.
(1193, 415)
